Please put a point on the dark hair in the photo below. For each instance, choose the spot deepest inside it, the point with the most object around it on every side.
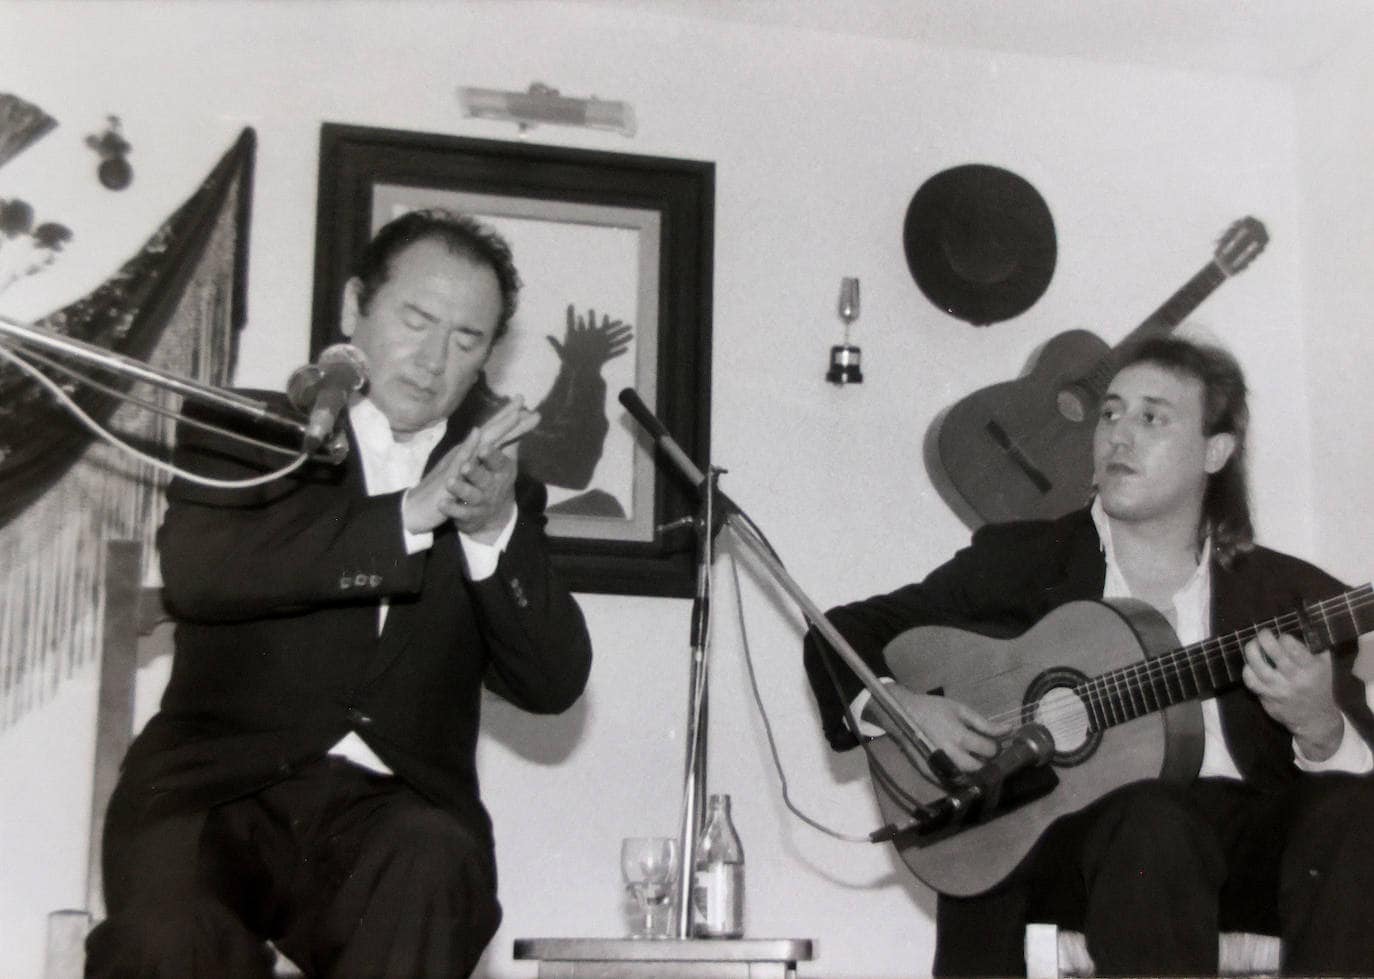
(1226, 502)
(462, 235)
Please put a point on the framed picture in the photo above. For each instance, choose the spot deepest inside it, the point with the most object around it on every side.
(615, 252)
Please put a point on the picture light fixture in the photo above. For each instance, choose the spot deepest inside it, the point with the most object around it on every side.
(544, 105)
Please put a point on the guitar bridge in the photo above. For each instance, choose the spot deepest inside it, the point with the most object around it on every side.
(1033, 473)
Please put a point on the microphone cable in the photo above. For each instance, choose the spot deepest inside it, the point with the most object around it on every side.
(66, 400)
(763, 712)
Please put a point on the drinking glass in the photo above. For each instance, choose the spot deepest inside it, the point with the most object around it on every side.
(650, 866)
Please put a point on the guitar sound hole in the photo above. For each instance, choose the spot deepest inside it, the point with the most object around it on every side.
(1052, 700)
(1071, 405)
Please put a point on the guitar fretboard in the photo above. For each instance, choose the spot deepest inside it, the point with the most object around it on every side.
(1207, 667)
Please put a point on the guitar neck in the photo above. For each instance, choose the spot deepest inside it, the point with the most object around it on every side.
(1160, 323)
(1207, 667)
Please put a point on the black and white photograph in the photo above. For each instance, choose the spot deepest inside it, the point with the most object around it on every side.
(664, 489)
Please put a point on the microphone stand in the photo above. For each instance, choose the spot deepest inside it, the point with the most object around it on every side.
(716, 510)
(694, 769)
(19, 335)
(907, 736)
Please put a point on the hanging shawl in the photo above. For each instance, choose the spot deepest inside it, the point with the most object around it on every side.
(177, 305)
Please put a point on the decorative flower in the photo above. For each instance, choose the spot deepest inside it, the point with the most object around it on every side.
(24, 249)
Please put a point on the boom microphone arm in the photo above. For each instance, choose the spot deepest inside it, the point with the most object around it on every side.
(18, 336)
(905, 733)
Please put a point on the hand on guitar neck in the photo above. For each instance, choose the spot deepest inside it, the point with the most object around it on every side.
(1293, 685)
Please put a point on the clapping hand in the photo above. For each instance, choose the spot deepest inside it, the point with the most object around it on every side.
(586, 345)
(474, 484)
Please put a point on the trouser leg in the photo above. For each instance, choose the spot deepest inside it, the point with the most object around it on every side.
(164, 918)
(380, 883)
(1152, 869)
(420, 900)
(982, 935)
(1326, 884)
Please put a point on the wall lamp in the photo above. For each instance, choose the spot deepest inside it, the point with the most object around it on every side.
(844, 358)
(542, 104)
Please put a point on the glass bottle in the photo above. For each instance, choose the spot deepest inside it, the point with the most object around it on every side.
(718, 875)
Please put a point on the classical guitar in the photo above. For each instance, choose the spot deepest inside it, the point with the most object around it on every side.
(1022, 449)
(1115, 691)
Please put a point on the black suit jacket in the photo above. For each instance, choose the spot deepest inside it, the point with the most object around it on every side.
(276, 590)
(1012, 575)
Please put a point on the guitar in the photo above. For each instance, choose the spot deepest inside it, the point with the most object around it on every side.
(1022, 449)
(1116, 716)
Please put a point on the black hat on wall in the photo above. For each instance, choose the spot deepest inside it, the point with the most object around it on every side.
(980, 243)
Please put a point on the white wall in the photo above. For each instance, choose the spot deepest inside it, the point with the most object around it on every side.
(819, 142)
(1336, 110)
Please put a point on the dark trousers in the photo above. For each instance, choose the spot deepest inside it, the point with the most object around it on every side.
(350, 874)
(1151, 873)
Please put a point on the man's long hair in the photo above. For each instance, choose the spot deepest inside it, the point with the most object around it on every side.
(1226, 502)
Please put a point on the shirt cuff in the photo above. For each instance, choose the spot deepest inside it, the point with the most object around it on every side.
(1353, 756)
(483, 558)
(414, 543)
(867, 729)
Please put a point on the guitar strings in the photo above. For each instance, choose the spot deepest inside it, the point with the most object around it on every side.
(1115, 682)
(1139, 678)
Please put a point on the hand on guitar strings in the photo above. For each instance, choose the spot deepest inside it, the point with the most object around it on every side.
(1293, 685)
(963, 734)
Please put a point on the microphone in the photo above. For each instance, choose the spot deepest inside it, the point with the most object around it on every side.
(641, 413)
(1031, 746)
(321, 389)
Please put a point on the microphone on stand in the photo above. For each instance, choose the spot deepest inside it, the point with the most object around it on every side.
(321, 390)
(1031, 746)
(650, 423)
(676, 454)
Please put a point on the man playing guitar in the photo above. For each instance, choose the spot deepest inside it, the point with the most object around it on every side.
(1275, 835)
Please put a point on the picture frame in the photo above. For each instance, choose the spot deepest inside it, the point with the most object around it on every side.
(615, 252)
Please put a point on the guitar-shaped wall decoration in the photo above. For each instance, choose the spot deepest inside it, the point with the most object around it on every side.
(1117, 694)
(1022, 449)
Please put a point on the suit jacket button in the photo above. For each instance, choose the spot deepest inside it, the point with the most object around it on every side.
(518, 591)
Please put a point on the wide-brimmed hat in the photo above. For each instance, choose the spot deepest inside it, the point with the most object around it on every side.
(980, 242)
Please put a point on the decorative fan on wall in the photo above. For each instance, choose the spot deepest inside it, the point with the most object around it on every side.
(21, 123)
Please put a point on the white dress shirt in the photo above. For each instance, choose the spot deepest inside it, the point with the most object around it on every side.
(389, 466)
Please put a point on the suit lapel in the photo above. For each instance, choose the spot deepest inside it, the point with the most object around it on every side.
(1258, 744)
(443, 561)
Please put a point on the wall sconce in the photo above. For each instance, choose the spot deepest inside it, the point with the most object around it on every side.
(114, 170)
(542, 104)
(844, 358)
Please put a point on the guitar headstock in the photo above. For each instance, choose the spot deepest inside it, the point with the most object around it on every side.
(1240, 244)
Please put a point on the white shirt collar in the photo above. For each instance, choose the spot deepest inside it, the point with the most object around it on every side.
(389, 465)
(1191, 603)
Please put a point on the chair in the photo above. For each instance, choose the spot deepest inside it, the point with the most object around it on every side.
(132, 614)
(1052, 952)
(130, 640)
